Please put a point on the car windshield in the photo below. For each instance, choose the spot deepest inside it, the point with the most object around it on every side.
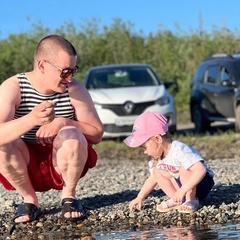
(121, 77)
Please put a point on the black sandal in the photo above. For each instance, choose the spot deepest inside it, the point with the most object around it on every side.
(72, 205)
(27, 209)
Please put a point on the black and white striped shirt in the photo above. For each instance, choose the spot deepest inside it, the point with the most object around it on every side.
(30, 98)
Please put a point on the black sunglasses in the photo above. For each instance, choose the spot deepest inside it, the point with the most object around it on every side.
(66, 72)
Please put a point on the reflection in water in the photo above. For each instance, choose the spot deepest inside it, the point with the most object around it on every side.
(169, 233)
(174, 233)
(228, 231)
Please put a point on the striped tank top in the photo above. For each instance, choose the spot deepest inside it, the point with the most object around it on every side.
(30, 98)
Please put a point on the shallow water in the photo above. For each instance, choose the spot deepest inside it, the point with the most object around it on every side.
(215, 232)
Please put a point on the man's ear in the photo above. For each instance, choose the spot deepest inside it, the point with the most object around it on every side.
(40, 65)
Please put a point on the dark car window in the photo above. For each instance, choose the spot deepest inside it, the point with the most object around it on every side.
(212, 74)
(224, 75)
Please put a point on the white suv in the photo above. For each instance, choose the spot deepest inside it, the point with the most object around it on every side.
(121, 92)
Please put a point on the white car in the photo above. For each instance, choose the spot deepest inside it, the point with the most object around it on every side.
(121, 92)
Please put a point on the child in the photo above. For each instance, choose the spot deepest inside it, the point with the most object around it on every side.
(178, 169)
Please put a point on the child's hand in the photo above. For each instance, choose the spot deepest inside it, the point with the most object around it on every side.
(179, 195)
(135, 202)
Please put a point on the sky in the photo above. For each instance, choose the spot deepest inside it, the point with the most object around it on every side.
(19, 16)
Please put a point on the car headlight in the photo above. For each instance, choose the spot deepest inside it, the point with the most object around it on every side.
(163, 100)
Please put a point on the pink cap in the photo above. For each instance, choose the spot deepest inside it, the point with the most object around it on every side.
(146, 125)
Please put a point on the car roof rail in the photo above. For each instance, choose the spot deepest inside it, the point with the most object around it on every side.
(219, 55)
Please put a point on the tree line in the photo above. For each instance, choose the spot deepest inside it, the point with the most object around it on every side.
(174, 56)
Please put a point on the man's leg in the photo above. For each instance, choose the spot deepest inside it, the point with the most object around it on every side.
(69, 158)
(14, 159)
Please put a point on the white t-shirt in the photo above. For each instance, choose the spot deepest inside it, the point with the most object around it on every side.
(179, 155)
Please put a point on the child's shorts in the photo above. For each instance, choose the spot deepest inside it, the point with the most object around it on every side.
(41, 171)
(203, 188)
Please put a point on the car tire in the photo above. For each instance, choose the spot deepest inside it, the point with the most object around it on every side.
(200, 122)
(237, 122)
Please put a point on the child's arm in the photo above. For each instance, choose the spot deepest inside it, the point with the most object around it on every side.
(198, 172)
(148, 186)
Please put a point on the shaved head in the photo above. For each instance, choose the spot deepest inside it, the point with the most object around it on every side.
(49, 46)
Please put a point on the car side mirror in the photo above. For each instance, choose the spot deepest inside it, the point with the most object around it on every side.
(168, 84)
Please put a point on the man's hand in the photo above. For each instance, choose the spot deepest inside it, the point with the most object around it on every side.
(43, 113)
(46, 133)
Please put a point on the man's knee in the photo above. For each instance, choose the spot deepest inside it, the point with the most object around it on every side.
(70, 136)
(71, 141)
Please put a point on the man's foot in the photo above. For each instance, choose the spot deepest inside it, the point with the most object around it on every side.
(72, 209)
(166, 206)
(26, 212)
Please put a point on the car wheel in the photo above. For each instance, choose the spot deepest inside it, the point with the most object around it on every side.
(200, 122)
(237, 123)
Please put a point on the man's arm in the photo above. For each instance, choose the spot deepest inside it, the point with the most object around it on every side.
(10, 99)
(88, 121)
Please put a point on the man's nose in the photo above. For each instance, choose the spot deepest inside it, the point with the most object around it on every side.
(69, 78)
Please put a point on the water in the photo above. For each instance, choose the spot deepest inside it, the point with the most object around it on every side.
(221, 232)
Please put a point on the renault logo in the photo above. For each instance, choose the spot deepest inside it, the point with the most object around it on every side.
(128, 106)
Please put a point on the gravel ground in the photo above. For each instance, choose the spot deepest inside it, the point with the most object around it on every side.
(106, 192)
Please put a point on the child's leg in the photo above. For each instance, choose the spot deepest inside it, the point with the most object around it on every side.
(190, 203)
(169, 186)
(166, 182)
(197, 193)
(201, 190)
(185, 175)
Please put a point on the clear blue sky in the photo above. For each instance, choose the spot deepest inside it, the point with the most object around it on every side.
(148, 15)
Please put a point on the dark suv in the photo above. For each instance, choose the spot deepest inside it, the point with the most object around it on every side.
(215, 92)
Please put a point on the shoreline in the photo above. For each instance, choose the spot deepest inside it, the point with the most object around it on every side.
(106, 192)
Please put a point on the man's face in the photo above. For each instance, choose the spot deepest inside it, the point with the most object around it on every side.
(58, 73)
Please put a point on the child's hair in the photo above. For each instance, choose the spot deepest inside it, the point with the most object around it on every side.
(166, 137)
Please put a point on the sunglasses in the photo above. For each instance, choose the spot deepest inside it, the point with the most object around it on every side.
(66, 72)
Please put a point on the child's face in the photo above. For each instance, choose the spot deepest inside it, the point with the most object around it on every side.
(153, 147)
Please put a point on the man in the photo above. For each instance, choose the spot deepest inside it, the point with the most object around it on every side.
(47, 125)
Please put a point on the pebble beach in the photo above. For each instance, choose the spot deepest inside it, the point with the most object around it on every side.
(106, 192)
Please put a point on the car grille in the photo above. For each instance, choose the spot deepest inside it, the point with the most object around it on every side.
(112, 128)
(120, 111)
(116, 129)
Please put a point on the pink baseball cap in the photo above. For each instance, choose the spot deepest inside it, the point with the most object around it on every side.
(146, 125)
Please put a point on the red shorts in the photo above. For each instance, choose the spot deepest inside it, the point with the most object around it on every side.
(41, 171)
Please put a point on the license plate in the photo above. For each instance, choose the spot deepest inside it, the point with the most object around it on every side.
(125, 121)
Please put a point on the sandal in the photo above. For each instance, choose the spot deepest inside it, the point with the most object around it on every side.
(166, 206)
(27, 209)
(189, 207)
(72, 205)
